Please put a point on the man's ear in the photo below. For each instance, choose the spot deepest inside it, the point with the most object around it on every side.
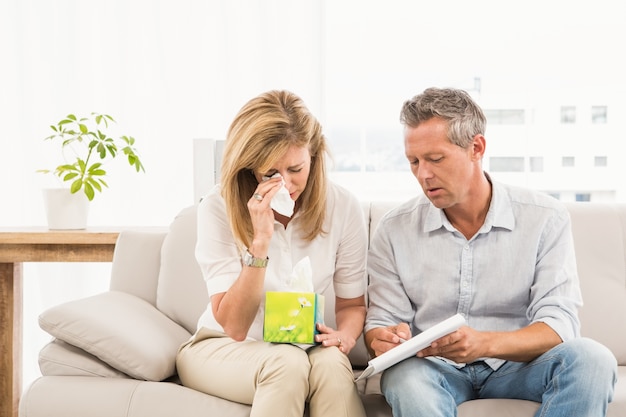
(479, 145)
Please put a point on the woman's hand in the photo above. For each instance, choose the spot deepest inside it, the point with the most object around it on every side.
(331, 337)
(261, 213)
(350, 317)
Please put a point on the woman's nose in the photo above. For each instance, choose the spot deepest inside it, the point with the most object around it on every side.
(286, 180)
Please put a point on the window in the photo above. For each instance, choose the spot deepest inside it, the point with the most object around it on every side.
(535, 163)
(568, 114)
(600, 161)
(504, 116)
(568, 161)
(583, 197)
(506, 164)
(598, 115)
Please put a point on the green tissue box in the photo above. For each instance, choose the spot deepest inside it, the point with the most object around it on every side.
(291, 317)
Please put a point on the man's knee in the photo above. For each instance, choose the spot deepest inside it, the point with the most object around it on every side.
(591, 359)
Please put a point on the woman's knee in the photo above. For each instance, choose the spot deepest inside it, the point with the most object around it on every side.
(328, 363)
(286, 361)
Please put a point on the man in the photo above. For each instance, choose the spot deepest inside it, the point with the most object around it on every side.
(501, 256)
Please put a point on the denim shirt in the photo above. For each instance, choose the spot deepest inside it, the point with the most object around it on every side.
(518, 269)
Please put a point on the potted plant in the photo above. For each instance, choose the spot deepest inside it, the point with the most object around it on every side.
(86, 146)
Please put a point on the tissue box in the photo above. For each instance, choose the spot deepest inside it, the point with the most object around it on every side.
(291, 317)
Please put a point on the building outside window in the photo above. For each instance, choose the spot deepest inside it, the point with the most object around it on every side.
(506, 164)
(568, 114)
(600, 161)
(504, 116)
(583, 197)
(568, 161)
(599, 114)
(535, 163)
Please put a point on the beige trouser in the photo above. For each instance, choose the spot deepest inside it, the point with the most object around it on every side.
(276, 379)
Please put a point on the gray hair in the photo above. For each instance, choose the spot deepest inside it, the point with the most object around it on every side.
(464, 117)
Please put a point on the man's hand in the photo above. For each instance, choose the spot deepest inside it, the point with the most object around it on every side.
(381, 339)
(467, 345)
(464, 345)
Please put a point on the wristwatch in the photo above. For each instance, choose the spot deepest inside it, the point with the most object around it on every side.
(249, 260)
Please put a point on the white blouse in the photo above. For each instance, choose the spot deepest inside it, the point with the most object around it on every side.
(338, 257)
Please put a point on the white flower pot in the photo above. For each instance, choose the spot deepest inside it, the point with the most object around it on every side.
(65, 210)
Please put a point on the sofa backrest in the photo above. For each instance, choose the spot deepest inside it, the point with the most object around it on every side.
(599, 231)
(181, 292)
(599, 235)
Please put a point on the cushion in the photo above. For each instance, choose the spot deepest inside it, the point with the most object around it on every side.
(122, 330)
(182, 293)
(60, 358)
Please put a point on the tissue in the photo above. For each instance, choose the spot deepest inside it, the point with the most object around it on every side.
(301, 279)
(282, 202)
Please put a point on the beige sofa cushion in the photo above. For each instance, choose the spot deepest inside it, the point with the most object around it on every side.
(181, 292)
(600, 242)
(60, 358)
(122, 330)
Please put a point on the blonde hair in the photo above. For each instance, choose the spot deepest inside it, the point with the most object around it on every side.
(258, 137)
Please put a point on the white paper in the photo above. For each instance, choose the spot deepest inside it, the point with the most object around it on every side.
(412, 346)
(282, 202)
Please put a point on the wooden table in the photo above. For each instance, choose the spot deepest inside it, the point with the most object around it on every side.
(18, 245)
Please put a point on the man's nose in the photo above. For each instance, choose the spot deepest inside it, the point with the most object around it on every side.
(423, 171)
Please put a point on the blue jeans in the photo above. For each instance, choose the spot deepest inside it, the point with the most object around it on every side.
(575, 378)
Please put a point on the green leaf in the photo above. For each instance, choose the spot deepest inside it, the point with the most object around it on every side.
(68, 168)
(102, 151)
(89, 192)
(76, 185)
(95, 184)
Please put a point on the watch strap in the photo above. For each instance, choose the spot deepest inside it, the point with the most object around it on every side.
(250, 260)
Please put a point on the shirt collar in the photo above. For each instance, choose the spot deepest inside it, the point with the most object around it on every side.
(500, 212)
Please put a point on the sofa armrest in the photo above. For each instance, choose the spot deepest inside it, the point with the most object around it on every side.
(136, 263)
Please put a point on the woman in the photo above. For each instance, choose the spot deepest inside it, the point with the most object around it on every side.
(246, 248)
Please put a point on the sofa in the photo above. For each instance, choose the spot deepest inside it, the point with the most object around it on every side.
(113, 354)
